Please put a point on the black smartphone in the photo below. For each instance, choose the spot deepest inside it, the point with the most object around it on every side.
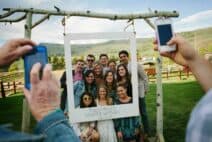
(38, 54)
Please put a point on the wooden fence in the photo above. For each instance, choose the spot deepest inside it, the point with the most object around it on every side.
(10, 83)
(151, 72)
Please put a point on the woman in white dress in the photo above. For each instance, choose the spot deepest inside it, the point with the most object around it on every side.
(105, 127)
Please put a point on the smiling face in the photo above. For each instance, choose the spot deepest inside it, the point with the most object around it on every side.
(102, 92)
(121, 91)
(87, 100)
(90, 78)
(121, 71)
(123, 58)
(79, 66)
(98, 69)
(112, 66)
(109, 77)
(103, 60)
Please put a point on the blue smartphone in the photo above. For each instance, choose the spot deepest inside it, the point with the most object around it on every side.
(38, 54)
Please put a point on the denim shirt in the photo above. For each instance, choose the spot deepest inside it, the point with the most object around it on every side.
(7, 135)
(53, 128)
(56, 128)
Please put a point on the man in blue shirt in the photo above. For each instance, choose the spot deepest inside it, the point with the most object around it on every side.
(43, 100)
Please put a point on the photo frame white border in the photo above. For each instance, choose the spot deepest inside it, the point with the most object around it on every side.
(101, 112)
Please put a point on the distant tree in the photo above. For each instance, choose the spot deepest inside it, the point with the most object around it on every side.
(62, 62)
(14, 67)
(49, 59)
(54, 62)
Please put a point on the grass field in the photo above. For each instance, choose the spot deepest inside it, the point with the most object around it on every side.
(179, 99)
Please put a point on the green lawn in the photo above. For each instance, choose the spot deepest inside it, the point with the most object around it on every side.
(179, 99)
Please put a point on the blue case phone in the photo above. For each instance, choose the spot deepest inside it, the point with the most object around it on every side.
(38, 54)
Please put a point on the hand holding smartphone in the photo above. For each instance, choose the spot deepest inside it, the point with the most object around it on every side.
(164, 32)
(38, 54)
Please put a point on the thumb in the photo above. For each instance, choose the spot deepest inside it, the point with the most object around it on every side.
(172, 41)
(26, 94)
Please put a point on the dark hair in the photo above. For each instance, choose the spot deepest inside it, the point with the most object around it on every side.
(91, 55)
(114, 80)
(82, 105)
(103, 54)
(93, 84)
(127, 73)
(123, 52)
(86, 73)
(122, 85)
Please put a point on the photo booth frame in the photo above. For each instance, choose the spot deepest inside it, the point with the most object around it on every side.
(101, 112)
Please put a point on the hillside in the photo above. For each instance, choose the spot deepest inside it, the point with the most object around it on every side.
(200, 39)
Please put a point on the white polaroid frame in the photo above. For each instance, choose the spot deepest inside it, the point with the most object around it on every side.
(101, 112)
(164, 21)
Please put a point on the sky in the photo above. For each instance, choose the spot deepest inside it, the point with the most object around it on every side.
(194, 14)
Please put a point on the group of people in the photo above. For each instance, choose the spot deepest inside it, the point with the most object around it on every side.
(103, 83)
(44, 96)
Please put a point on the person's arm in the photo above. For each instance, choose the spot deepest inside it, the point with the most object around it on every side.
(185, 55)
(14, 49)
(44, 104)
(142, 74)
(63, 80)
(202, 70)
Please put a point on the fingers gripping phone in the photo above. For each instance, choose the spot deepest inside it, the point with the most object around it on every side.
(38, 54)
(164, 32)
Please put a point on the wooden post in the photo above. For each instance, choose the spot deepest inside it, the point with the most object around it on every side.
(14, 87)
(26, 112)
(2, 90)
(159, 99)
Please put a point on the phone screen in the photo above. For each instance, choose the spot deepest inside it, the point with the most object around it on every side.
(39, 54)
(165, 33)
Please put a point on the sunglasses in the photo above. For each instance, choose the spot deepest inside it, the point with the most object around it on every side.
(87, 98)
(90, 60)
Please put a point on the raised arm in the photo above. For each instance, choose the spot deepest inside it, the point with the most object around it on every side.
(185, 55)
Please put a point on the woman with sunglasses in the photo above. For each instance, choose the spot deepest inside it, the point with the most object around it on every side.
(87, 130)
(105, 127)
